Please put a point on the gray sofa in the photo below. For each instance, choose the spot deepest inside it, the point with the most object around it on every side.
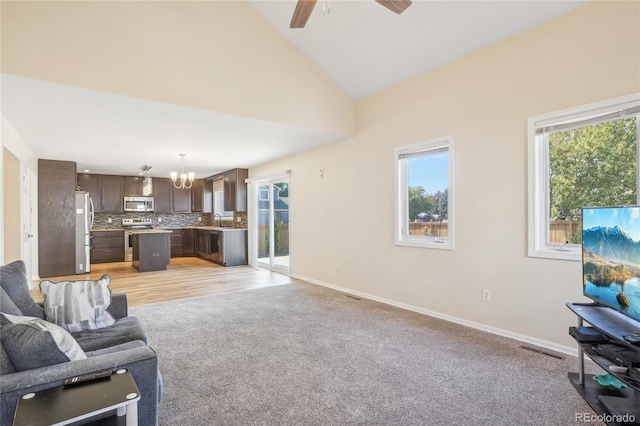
(121, 345)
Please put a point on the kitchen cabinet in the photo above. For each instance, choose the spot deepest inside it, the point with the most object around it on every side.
(227, 248)
(235, 190)
(169, 199)
(232, 246)
(176, 243)
(133, 186)
(188, 242)
(91, 184)
(202, 195)
(162, 188)
(151, 251)
(203, 244)
(112, 194)
(106, 191)
(107, 246)
(56, 218)
(181, 199)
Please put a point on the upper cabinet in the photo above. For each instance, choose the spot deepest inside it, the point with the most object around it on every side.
(106, 191)
(162, 188)
(169, 199)
(133, 186)
(202, 195)
(181, 199)
(112, 194)
(235, 189)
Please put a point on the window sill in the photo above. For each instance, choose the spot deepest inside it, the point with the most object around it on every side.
(557, 253)
(438, 244)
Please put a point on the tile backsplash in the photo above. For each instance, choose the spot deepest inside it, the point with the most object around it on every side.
(101, 220)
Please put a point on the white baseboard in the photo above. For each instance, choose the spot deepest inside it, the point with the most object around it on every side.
(498, 331)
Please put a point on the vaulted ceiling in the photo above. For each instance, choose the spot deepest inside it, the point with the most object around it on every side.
(118, 85)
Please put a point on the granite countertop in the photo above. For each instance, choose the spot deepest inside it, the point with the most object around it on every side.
(205, 228)
(162, 229)
(149, 231)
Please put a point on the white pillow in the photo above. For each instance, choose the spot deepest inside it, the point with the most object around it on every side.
(78, 305)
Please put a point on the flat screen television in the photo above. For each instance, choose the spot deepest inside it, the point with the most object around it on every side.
(611, 257)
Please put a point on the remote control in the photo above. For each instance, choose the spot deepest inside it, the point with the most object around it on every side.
(87, 378)
(633, 338)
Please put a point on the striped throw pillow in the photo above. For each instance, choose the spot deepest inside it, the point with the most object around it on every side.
(78, 305)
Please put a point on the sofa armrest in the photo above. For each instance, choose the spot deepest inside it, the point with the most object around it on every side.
(119, 305)
(141, 361)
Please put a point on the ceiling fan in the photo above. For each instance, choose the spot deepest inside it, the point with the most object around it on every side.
(305, 7)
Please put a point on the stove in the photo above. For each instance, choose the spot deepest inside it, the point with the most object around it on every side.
(137, 224)
(131, 226)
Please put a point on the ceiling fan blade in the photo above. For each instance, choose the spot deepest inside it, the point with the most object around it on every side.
(397, 6)
(301, 13)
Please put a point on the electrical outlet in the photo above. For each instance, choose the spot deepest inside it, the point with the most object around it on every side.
(486, 295)
(159, 219)
(199, 218)
(338, 267)
(109, 220)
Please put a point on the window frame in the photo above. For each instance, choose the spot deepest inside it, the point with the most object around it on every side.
(538, 165)
(402, 195)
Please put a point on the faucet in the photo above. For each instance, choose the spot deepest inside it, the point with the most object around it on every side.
(219, 221)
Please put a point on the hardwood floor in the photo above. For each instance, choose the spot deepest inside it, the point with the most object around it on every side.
(185, 277)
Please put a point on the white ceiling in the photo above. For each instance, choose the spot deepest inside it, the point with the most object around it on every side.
(364, 47)
(360, 45)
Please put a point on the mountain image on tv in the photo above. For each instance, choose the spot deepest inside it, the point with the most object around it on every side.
(611, 257)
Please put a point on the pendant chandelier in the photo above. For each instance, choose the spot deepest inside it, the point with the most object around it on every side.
(186, 179)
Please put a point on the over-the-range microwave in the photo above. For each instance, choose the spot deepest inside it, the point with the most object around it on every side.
(138, 204)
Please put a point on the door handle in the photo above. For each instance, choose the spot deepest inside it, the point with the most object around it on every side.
(29, 235)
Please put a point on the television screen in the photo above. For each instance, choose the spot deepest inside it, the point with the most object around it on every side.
(611, 257)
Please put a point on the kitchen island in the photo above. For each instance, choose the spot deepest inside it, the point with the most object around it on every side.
(222, 245)
(151, 249)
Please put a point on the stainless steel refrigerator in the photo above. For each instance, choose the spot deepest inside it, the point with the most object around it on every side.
(84, 223)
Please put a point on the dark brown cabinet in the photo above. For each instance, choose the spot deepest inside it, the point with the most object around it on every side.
(112, 194)
(56, 218)
(235, 190)
(188, 242)
(162, 188)
(169, 199)
(106, 191)
(181, 200)
(202, 196)
(203, 244)
(176, 243)
(151, 251)
(133, 186)
(91, 184)
(107, 246)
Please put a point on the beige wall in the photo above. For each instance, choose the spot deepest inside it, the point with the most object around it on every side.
(483, 100)
(11, 197)
(19, 159)
(201, 54)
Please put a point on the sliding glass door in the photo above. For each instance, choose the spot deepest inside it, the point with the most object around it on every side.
(272, 223)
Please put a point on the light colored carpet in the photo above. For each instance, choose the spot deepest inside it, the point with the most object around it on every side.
(300, 354)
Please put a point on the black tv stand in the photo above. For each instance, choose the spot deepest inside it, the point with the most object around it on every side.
(611, 404)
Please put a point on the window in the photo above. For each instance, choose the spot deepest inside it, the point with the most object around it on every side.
(581, 157)
(218, 200)
(263, 194)
(424, 194)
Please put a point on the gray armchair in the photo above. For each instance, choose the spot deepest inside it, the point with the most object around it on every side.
(121, 345)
